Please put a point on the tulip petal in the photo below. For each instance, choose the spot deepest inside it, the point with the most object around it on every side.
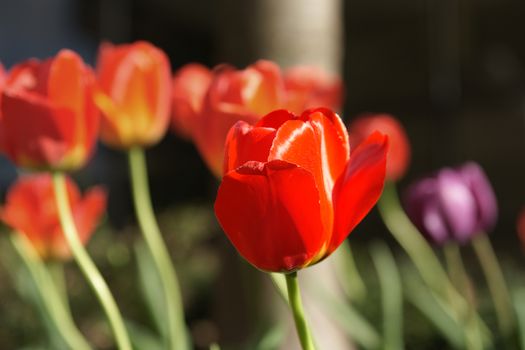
(479, 184)
(275, 119)
(245, 143)
(88, 211)
(457, 204)
(190, 85)
(314, 143)
(270, 212)
(262, 87)
(35, 141)
(359, 188)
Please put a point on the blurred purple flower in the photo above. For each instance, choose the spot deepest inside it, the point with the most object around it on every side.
(453, 205)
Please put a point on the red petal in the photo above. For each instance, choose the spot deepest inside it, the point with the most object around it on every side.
(262, 87)
(270, 212)
(275, 119)
(88, 210)
(314, 143)
(35, 132)
(245, 143)
(190, 85)
(358, 190)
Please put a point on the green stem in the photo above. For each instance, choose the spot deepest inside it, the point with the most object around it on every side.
(294, 296)
(461, 280)
(56, 271)
(87, 266)
(496, 282)
(422, 255)
(157, 247)
(50, 296)
(456, 269)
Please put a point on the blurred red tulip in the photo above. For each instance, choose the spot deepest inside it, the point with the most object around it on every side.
(2, 82)
(49, 119)
(292, 193)
(134, 95)
(309, 87)
(399, 151)
(209, 103)
(31, 210)
(190, 85)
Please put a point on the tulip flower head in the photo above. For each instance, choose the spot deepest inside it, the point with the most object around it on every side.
(399, 150)
(49, 119)
(31, 210)
(208, 103)
(453, 205)
(134, 94)
(291, 193)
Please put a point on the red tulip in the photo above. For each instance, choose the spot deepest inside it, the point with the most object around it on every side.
(308, 87)
(209, 103)
(399, 151)
(31, 210)
(134, 95)
(2, 82)
(190, 85)
(292, 193)
(49, 119)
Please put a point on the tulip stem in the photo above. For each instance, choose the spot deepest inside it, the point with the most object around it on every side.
(56, 270)
(87, 266)
(461, 280)
(54, 305)
(294, 297)
(157, 247)
(422, 255)
(495, 281)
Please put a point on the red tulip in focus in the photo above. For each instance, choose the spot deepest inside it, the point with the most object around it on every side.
(49, 119)
(190, 85)
(135, 94)
(399, 151)
(292, 193)
(207, 104)
(31, 210)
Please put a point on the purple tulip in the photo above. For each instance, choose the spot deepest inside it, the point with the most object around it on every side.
(453, 205)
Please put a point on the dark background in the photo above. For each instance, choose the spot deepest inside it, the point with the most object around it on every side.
(453, 71)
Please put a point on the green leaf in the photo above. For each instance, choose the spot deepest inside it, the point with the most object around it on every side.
(391, 296)
(429, 305)
(142, 338)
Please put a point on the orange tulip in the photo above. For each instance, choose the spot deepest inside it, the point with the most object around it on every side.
(31, 210)
(49, 119)
(398, 157)
(190, 85)
(134, 94)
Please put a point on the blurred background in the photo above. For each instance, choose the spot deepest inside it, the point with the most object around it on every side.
(452, 71)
